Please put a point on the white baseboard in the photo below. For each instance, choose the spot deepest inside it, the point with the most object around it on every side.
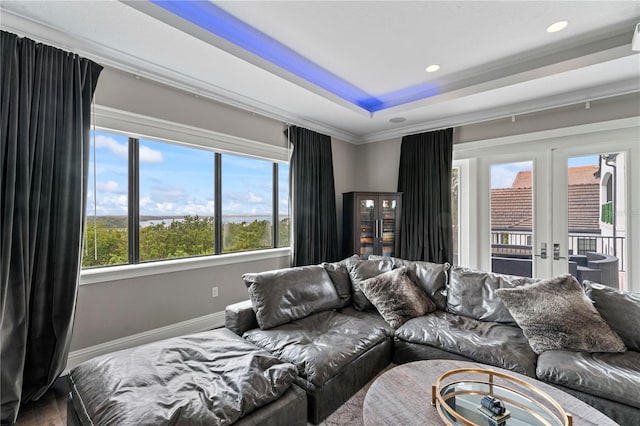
(194, 325)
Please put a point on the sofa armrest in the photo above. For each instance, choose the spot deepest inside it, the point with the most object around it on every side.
(240, 317)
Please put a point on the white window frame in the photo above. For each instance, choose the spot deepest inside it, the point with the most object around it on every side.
(144, 127)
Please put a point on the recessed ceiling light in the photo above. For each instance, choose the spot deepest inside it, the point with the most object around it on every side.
(432, 68)
(558, 26)
(397, 120)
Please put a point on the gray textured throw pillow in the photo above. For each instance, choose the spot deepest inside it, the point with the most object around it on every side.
(620, 309)
(556, 314)
(396, 297)
(430, 277)
(360, 270)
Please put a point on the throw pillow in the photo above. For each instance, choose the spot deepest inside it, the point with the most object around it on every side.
(472, 294)
(430, 277)
(555, 314)
(285, 295)
(396, 297)
(620, 309)
(360, 270)
(340, 276)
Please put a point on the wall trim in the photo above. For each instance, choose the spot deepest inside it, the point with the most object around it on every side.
(195, 325)
(123, 272)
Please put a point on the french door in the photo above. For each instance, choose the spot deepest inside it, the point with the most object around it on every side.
(568, 203)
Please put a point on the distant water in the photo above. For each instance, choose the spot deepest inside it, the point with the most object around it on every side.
(225, 219)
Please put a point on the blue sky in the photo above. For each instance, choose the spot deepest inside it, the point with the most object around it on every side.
(177, 180)
(502, 175)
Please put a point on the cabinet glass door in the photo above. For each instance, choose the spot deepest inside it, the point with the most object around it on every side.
(367, 225)
(388, 223)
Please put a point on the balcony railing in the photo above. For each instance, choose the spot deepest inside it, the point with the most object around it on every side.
(519, 245)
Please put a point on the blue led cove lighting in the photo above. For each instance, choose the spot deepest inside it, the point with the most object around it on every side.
(215, 20)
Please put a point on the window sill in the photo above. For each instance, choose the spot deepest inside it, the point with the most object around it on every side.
(115, 273)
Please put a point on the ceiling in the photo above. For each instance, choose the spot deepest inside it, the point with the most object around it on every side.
(496, 58)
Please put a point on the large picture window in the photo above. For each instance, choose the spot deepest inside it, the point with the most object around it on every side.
(152, 200)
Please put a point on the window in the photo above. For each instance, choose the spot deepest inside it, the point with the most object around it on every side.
(150, 200)
(176, 201)
(106, 231)
(586, 244)
(247, 203)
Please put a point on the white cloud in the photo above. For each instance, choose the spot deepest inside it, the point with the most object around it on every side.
(109, 186)
(112, 145)
(148, 155)
(253, 198)
(166, 207)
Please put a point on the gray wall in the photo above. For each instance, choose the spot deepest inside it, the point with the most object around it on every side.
(115, 309)
(110, 310)
(382, 158)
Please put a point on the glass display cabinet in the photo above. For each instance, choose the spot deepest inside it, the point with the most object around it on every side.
(371, 221)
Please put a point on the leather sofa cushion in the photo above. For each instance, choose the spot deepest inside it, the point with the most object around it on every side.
(491, 343)
(288, 294)
(611, 376)
(320, 345)
(339, 274)
(472, 293)
(620, 309)
(372, 317)
(212, 378)
(430, 277)
(360, 270)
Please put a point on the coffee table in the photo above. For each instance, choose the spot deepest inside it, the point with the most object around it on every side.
(402, 396)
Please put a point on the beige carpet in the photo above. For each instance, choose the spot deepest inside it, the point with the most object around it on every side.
(350, 413)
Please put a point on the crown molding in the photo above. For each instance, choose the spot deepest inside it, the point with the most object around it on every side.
(620, 88)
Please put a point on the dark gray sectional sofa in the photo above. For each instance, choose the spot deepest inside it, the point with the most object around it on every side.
(338, 348)
(312, 337)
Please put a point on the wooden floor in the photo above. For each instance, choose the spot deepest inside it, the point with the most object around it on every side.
(50, 410)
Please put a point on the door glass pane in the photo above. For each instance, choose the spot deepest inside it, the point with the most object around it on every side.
(389, 218)
(176, 201)
(366, 217)
(106, 232)
(512, 218)
(596, 218)
(455, 216)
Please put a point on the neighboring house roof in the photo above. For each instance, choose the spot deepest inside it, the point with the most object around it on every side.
(511, 208)
(578, 175)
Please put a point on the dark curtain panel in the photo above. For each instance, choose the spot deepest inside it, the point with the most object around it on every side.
(313, 195)
(424, 179)
(46, 104)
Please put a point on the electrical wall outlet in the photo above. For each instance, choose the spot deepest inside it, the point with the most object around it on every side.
(214, 291)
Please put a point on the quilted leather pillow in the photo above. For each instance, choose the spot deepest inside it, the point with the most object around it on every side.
(339, 274)
(472, 294)
(556, 315)
(284, 295)
(396, 297)
(360, 270)
(620, 309)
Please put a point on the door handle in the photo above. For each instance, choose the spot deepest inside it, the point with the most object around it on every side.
(376, 233)
(556, 252)
(543, 251)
